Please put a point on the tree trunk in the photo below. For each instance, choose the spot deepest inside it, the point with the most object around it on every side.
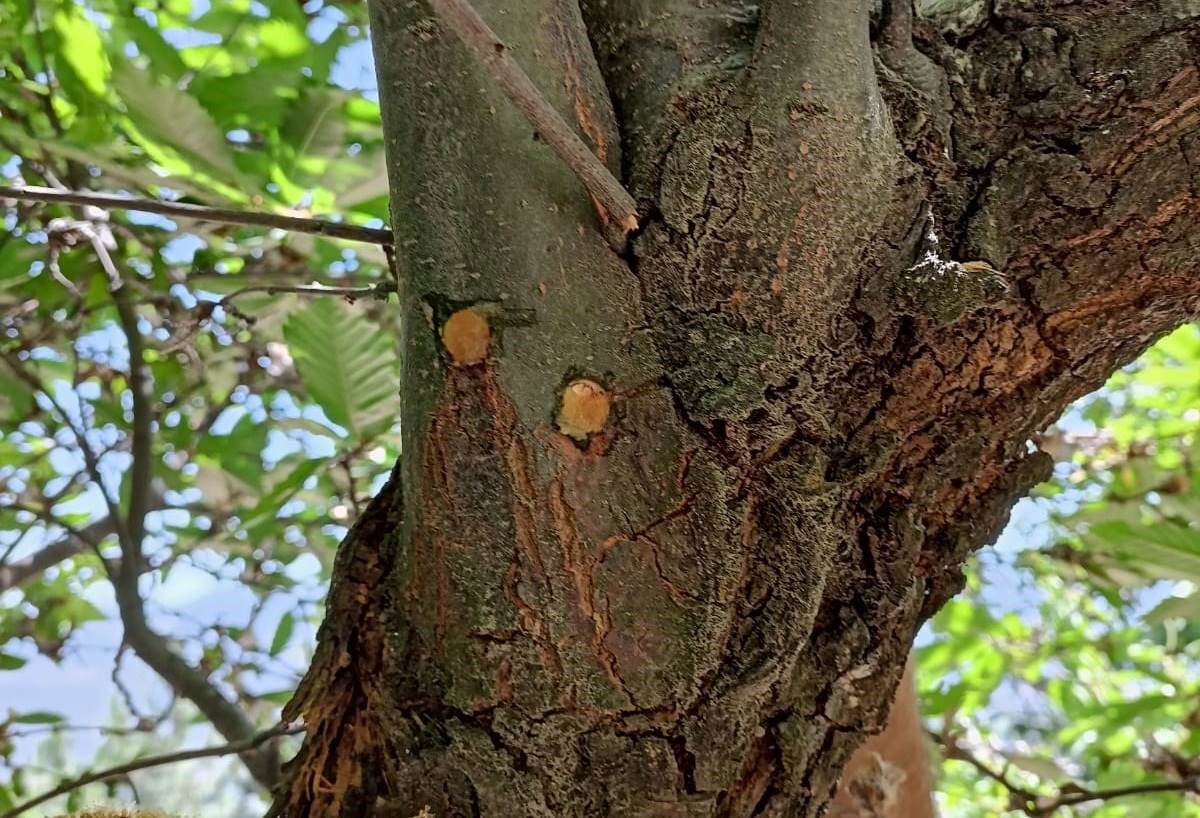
(669, 516)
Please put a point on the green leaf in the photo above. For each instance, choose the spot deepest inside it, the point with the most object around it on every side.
(176, 120)
(81, 48)
(1183, 344)
(280, 697)
(283, 633)
(16, 398)
(164, 58)
(1175, 607)
(38, 717)
(10, 662)
(283, 38)
(1044, 768)
(348, 366)
(371, 183)
(239, 453)
(316, 131)
(1165, 550)
(282, 491)
(258, 98)
(16, 255)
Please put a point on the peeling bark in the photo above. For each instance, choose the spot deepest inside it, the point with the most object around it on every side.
(689, 589)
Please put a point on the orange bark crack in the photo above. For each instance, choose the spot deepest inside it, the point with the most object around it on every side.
(505, 429)
(581, 569)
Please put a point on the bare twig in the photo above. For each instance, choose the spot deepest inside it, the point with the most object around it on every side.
(77, 541)
(51, 729)
(351, 486)
(378, 290)
(956, 751)
(1191, 785)
(131, 701)
(242, 746)
(90, 459)
(491, 52)
(266, 277)
(202, 213)
(1043, 806)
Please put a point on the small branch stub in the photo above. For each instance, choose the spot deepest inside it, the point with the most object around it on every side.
(584, 409)
(467, 337)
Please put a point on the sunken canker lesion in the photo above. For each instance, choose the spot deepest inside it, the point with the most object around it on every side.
(467, 337)
(584, 408)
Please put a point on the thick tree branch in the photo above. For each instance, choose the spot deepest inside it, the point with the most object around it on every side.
(242, 746)
(141, 474)
(151, 647)
(492, 53)
(203, 213)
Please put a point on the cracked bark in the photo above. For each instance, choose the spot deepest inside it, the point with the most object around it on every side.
(702, 608)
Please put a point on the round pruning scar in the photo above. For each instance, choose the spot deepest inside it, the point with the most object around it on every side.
(584, 409)
(467, 336)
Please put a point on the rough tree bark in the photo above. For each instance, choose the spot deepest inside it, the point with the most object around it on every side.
(668, 518)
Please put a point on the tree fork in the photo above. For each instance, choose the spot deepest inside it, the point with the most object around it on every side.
(669, 521)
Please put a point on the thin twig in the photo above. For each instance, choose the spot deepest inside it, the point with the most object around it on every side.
(267, 276)
(957, 752)
(351, 486)
(44, 729)
(90, 459)
(378, 290)
(1042, 806)
(493, 54)
(203, 213)
(242, 746)
(1070, 799)
(76, 542)
(131, 701)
